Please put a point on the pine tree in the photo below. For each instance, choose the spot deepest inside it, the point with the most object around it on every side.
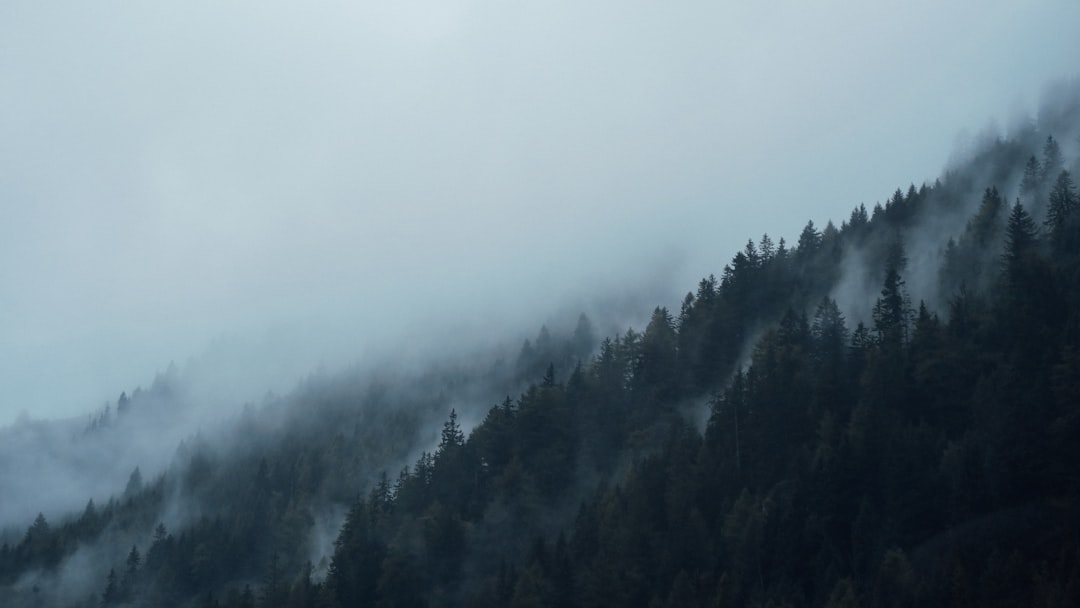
(859, 219)
(549, 376)
(39, 544)
(1062, 206)
(132, 566)
(160, 532)
(830, 238)
(752, 255)
(38, 531)
(452, 436)
(1029, 186)
(382, 495)
(1021, 235)
(892, 311)
(656, 370)
(829, 332)
(356, 564)
(766, 248)
(584, 339)
(782, 250)
(1052, 160)
(134, 484)
(809, 240)
(985, 224)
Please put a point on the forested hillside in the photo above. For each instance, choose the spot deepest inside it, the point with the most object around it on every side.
(884, 412)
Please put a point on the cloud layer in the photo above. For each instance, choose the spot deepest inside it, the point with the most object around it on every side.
(323, 179)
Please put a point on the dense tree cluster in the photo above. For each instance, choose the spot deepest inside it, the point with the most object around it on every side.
(913, 458)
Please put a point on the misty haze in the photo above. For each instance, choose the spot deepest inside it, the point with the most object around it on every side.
(474, 304)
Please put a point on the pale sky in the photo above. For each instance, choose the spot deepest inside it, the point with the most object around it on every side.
(305, 181)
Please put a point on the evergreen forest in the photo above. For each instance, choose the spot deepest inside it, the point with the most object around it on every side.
(882, 411)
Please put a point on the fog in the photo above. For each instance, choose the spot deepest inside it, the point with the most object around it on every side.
(264, 188)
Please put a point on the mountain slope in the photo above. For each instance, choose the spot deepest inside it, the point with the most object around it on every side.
(889, 417)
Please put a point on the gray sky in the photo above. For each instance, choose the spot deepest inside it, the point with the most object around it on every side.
(302, 181)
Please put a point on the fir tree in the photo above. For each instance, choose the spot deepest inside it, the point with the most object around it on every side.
(1021, 236)
(1062, 206)
(1052, 161)
(1029, 186)
(452, 436)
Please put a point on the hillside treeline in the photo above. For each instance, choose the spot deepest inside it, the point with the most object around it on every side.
(755, 447)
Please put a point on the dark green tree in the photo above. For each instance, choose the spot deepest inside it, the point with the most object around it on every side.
(1061, 215)
(1021, 236)
(452, 436)
(656, 371)
(132, 563)
(859, 220)
(1052, 162)
(809, 240)
(985, 226)
(584, 338)
(892, 311)
(1029, 185)
(1062, 201)
(355, 567)
(766, 248)
(134, 483)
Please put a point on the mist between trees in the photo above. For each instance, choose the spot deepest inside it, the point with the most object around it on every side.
(881, 412)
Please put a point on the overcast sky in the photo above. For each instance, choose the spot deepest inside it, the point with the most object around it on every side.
(306, 180)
